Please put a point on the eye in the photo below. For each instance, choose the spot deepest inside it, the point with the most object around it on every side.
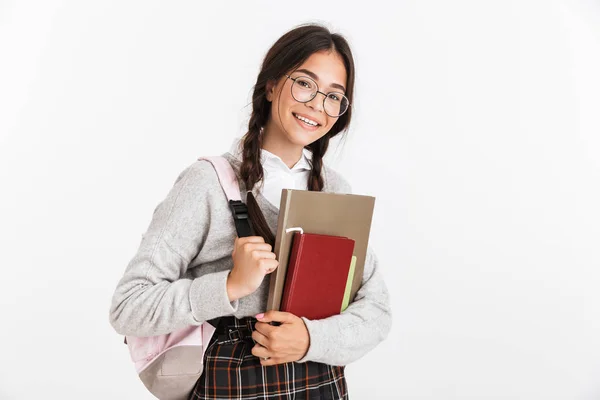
(334, 97)
(304, 83)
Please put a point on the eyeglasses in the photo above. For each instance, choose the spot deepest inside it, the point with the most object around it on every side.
(304, 89)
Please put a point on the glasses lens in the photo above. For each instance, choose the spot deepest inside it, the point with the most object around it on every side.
(304, 89)
(336, 104)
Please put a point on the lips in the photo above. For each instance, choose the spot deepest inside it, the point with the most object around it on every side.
(308, 118)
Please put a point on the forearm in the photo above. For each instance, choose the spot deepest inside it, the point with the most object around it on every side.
(141, 307)
(344, 338)
(153, 297)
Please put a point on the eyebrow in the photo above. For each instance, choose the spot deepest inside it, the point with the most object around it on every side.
(315, 77)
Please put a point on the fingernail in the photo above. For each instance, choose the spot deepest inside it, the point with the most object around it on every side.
(260, 316)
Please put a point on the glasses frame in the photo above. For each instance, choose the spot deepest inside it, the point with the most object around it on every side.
(325, 95)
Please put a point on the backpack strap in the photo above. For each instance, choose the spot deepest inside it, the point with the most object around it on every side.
(231, 187)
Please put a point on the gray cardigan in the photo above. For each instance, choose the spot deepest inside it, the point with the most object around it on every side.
(178, 276)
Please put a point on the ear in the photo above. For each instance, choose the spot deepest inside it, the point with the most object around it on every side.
(270, 90)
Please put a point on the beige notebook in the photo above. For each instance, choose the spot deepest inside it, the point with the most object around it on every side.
(348, 215)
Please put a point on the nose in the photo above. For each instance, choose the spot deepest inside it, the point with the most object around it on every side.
(316, 103)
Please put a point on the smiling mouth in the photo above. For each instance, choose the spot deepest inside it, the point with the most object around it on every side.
(307, 121)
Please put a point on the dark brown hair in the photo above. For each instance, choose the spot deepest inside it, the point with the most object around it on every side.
(288, 53)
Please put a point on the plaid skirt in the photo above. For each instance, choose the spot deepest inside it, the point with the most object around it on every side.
(231, 371)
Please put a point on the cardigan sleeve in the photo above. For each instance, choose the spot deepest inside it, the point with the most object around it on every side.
(152, 298)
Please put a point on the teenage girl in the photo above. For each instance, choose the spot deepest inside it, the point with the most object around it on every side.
(191, 267)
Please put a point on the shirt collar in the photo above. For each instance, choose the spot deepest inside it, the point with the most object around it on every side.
(268, 158)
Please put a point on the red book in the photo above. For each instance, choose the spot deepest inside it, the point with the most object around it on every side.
(317, 275)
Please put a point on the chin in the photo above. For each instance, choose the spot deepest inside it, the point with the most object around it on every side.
(302, 139)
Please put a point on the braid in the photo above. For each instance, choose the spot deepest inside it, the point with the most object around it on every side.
(252, 172)
(315, 178)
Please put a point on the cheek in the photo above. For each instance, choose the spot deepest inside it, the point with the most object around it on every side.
(281, 107)
(287, 101)
(330, 123)
(278, 113)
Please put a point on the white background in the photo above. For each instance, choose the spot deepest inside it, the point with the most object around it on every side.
(477, 128)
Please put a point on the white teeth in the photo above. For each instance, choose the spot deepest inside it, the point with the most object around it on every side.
(308, 121)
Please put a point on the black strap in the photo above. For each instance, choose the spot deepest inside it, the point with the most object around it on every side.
(243, 226)
(241, 218)
(214, 322)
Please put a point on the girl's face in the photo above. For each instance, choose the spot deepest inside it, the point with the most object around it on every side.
(328, 71)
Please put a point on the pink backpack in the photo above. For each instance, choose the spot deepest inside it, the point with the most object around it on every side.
(169, 365)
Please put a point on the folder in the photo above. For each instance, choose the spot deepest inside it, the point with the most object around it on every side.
(317, 275)
(334, 214)
(346, 300)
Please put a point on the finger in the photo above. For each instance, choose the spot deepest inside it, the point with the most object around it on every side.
(264, 254)
(260, 339)
(260, 351)
(274, 361)
(251, 239)
(270, 270)
(279, 316)
(264, 329)
(267, 265)
(252, 247)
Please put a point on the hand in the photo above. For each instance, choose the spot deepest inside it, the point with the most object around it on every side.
(280, 344)
(252, 260)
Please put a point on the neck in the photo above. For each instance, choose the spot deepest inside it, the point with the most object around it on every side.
(290, 153)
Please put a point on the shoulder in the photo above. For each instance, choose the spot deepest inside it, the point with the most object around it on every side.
(198, 180)
(335, 181)
(199, 172)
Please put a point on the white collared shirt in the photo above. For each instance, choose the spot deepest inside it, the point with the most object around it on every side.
(277, 175)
